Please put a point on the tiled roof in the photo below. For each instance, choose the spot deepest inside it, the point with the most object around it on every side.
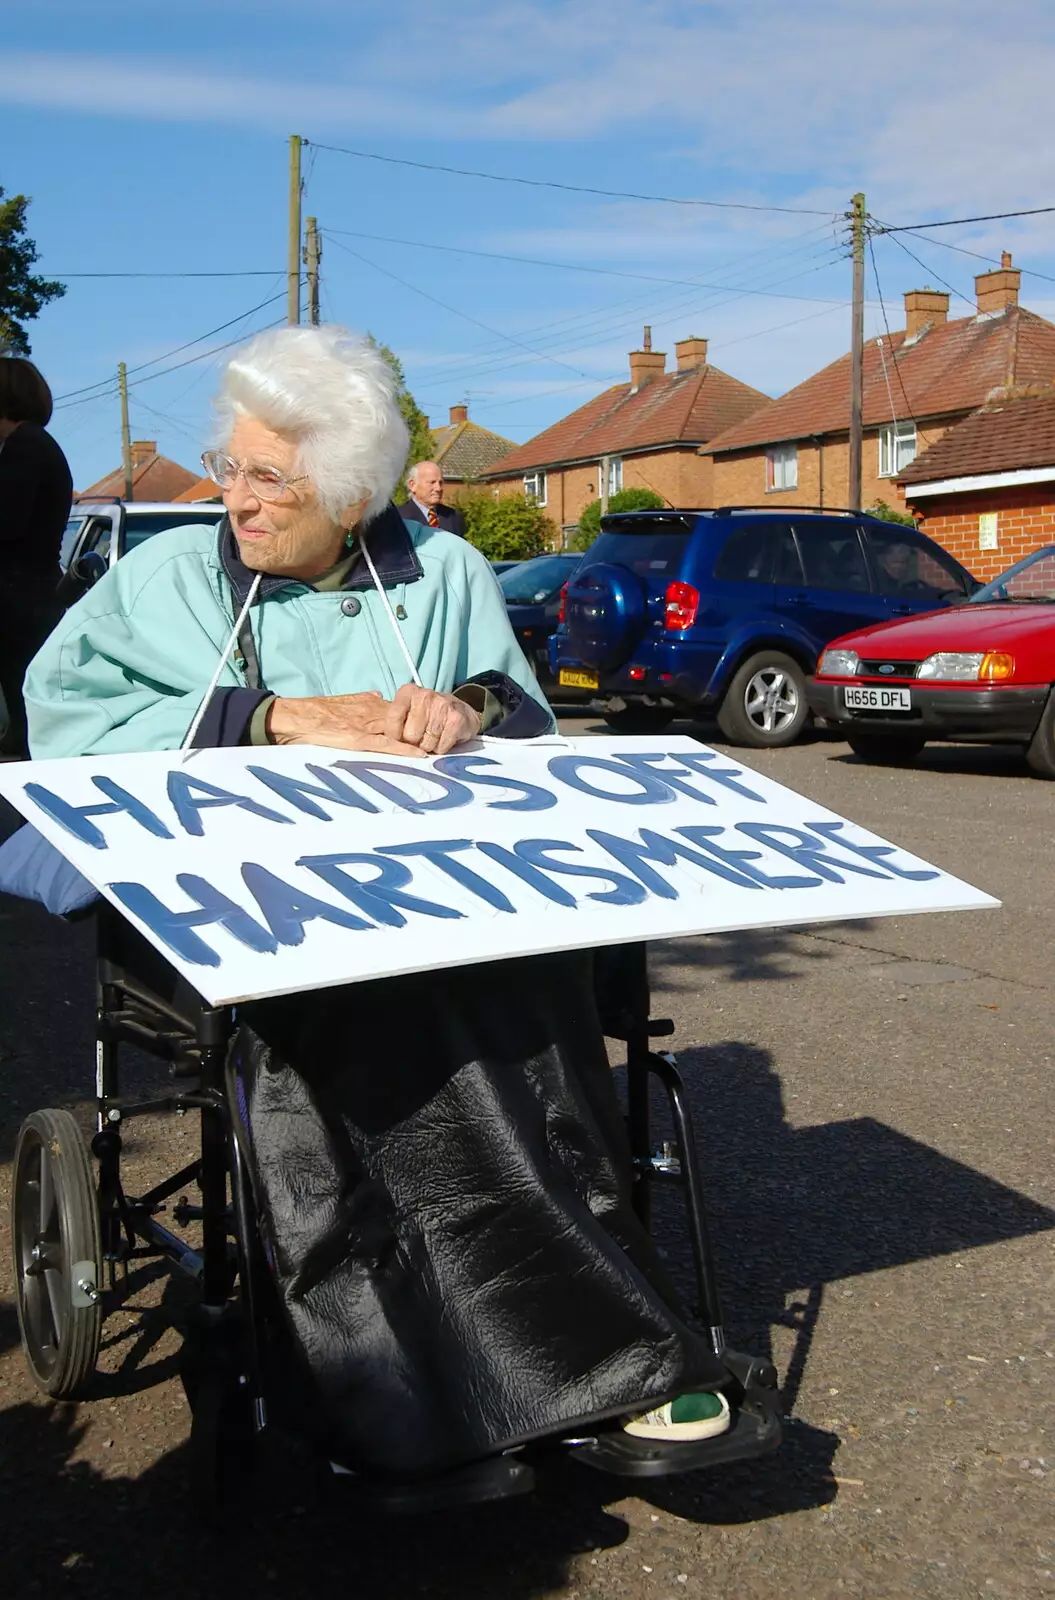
(950, 368)
(465, 450)
(1017, 431)
(156, 478)
(202, 489)
(686, 408)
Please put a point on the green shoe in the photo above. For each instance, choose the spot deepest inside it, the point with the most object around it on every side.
(689, 1417)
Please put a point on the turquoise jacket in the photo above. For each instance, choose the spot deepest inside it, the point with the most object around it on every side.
(128, 665)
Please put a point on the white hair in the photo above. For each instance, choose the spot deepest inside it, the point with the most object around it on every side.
(416, 468)
(335, 392)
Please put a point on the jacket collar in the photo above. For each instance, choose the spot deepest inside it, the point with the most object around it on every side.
(391, 547)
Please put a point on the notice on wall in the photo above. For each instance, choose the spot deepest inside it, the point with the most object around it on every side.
(261, 872)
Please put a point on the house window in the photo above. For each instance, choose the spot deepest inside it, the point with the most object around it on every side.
(615, 474)
(535, 487)
(782, 467)
(897, 447)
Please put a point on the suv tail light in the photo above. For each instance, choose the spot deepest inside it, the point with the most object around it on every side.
(563, 603)
(682, 602)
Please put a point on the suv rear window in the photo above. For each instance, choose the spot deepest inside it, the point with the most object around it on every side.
(651, 554)
(745, 556)
(140, 528)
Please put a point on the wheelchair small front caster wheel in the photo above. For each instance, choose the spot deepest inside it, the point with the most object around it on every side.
(55, 1232)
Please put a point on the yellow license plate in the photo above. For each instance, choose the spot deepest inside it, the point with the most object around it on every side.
(578, 680)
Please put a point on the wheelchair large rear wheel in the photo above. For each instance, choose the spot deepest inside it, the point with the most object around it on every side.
(55, 1231)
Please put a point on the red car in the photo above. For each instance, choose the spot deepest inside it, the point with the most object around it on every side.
(983, 672)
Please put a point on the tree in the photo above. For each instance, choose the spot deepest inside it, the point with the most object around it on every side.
(887, 513)
(23, 294)
(512, 528)
(624, 500)
(422, 444)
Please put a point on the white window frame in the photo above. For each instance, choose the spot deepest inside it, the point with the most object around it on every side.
(535, 487)
(615, 475)
(782, 468)
(898, 446)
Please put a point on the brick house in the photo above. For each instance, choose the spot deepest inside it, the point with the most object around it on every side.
(647, 433)
(154, 477)
(916, 385)
(986, 490)
(465, 451)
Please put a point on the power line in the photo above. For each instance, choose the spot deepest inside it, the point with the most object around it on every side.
(991, 261)
(105, 384)
(893, 353)
(930, 270)
(571, 188)
(534, 261)
(959, 222)
(262, 272)
(490, 363)
(454, 310)
(591, 320)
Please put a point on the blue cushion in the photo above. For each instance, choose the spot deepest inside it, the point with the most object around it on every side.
(35, 870)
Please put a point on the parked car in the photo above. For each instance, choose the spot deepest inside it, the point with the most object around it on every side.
(533, 600)
(98, 534)
(983, 673)
(498, 567)
(725, 613)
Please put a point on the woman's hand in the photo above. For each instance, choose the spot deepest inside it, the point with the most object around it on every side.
(431, 722)
(339, 722)
(418, 722)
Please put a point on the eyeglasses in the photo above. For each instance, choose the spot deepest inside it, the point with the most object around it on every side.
(266, 483)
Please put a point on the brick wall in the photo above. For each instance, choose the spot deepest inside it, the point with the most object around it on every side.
(1025, 519)
(740, 478)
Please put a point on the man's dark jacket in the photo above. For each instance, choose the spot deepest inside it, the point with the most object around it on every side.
(449, 517)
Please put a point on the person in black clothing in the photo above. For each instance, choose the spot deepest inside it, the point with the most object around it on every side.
(36, 491)
(425, 487)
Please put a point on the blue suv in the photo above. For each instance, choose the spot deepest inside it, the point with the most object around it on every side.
(725, 613)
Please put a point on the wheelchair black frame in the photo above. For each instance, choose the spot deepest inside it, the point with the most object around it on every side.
(143, 1003)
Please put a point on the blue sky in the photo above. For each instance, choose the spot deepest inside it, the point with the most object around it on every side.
(153, 139)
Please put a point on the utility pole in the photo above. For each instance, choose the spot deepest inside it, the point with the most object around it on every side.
(312, 257)
(293, 303)
(126, 437)
(605, 470)
(857, 339)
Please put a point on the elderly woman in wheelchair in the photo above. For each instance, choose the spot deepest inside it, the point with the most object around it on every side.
(438, 1218)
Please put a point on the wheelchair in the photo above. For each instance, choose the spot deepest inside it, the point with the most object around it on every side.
(75, 1229)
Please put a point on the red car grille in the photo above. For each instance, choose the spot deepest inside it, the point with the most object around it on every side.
(888, 669)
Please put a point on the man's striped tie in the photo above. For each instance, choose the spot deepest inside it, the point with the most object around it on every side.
(434, 520)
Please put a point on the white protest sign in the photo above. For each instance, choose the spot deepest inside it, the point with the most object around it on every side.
(263, 872)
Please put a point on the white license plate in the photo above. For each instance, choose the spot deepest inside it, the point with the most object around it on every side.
(858, 698)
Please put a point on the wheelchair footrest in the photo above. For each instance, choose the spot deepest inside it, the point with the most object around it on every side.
(755, 1429)
(496, 1478)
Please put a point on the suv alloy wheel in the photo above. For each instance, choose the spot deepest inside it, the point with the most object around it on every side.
(765, 704)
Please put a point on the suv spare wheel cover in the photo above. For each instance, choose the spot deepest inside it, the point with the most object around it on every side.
(605, 614)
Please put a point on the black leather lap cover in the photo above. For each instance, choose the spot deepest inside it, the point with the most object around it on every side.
(442, 1172)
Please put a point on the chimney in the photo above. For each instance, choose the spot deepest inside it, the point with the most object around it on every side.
(923, 307)
(459, 414)
(998, 290)
(691, 353)
(646, 363)
(142, 450)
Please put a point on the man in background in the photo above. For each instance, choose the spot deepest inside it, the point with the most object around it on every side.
(425, 487)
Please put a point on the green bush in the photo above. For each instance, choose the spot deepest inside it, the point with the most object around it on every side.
(625, 500)
(508, 529)
(887, 513)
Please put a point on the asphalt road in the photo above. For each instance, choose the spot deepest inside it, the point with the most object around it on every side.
(876, 1115)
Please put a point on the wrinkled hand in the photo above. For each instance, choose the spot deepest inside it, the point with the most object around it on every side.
(418, 722)
(339, 722)
(432, 722)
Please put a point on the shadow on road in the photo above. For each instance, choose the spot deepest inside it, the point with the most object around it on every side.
(795, 1209)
